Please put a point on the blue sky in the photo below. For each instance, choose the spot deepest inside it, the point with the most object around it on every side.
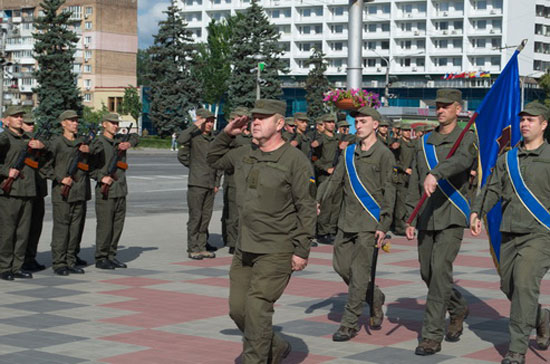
(149, 14)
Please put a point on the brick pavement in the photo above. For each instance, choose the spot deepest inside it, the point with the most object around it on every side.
(167, 309)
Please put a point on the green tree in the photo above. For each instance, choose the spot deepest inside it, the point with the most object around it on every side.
(214, 66)
(254, 39)
(54, 51)
(143, 66)
(92, 116)
(316, 84)
(175, 87)
(131, 104)
(544, 82)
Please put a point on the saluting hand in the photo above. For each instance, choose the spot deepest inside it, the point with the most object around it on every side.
(475, 224)
(298, 263)
(236, 126)
(430, 184)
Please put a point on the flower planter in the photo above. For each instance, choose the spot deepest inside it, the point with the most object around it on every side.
(345, 104)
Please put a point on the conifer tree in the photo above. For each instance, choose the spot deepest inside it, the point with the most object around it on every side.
(316, 84)
(253, 35)
(175, 86)
(54, 51)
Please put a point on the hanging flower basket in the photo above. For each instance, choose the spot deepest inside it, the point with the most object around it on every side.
(352, 99)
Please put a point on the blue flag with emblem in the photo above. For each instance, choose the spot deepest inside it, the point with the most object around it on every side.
(497, 127)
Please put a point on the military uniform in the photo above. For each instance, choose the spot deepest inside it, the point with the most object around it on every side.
(355, 241)
(404, 156)
(200, 186)
(15, 206)
(440, 224)
(304, 140)
(275, 194)
(524, 251)
(328, 150)
(110, 210)
(230, 214)
(387, 139)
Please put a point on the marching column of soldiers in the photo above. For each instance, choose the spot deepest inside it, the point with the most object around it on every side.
(28, 157)
(364, 186)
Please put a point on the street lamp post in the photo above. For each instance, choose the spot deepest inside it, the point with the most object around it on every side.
(355, 38)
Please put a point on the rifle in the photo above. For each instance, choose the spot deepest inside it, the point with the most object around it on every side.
(77, 162)
(25, 158)
(115, 164)
(371, 286)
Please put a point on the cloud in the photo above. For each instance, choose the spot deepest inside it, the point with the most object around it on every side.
(149, 14)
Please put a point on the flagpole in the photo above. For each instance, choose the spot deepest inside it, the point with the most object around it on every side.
(453, 150)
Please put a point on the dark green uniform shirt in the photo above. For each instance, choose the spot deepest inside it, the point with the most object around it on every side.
(238, 141)
(304, 143)
(63, 152)
(328, 147)
(438, 213)
(192, 154)
(11, 146)
(103, 151)
(405, 157)
(374, 168)
(535, 170)
(275, 196)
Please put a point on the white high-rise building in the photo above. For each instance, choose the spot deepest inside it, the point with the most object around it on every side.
(420, 39)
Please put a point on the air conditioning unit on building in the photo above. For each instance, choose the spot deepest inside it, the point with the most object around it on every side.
(86, 45)
(444, 32)
(493, 12)
(88, 88)
(492, 31)
(86, 60)
(409, 15)
(445, 13)
(86, 16)
(378, 69)
(453, 31)
(414, 69)
(416, 32)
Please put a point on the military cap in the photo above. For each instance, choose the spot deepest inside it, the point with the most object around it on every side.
(428, 128)
(27, 119)
(535, 108)
(290, 121)
(269, 107)
(328, 118)
(419, 127)
(396, 124)
(383, 122)
(319, 120)
(367, 111)
(112, 118)
(406, 126)
(341, 116)
(67, 114)
(239, 111)
(448, 96)
(14, 110)
(342, 124)
(301, 116)
(204, 113)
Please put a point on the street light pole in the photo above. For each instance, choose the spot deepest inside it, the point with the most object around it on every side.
(355, 38)
(258, 82)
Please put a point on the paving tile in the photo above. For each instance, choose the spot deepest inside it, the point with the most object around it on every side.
(38, 357)
(37, 339)
(43, 306)
(51, 281)
(390, 355)
(47, 292)
(133, 272)
(309, 328)
(39, 321)
(209, 272)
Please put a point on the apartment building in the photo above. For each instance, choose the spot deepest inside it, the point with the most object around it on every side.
(105, 57)
(420, 40)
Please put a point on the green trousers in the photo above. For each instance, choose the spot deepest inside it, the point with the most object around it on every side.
(400, 210)
(524, 260)
(110, 214)
(15, 223)
(437, 251)
(256, 283)
(352, 260)
(230, 216)
(327, 220)
(37, 219)
(200, 203)
(67, 222)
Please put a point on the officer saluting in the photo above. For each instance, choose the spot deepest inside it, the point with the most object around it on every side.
(275, 190)
(521, 178)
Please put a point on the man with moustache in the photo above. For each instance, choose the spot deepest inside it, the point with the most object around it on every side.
(442, 219)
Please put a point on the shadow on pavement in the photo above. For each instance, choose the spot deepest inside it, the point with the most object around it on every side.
(395, 315)
(336, 304)
(299, 348)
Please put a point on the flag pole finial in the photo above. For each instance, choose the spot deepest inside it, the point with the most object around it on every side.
(522, 45)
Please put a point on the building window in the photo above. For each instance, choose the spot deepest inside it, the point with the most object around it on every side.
(337, 46)
(457, 62)
(338, 11)
(76, 12)
(385, 44)
(372, 28)
(420, 62)
(88, 68)
(87, 40)
(88, 83)
(495, 61)
(442, 62)
(88, 25)
(88, 54)
(88, 97)
(26, 81)
(77, 67)
(114, 104)
(480, 61)
(89, 10)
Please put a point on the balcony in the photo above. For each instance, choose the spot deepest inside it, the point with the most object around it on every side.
(413, 15)
(451, 14)
(486, 13)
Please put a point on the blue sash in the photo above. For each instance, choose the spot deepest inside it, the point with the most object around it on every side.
(452, 193)
(527, 198)
(365, 198)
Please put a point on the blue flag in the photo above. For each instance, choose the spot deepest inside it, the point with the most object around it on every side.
(497, 125)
